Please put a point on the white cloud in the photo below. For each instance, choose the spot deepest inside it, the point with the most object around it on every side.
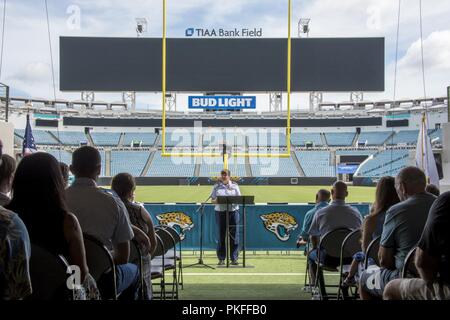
(33, 72)
(436, 53)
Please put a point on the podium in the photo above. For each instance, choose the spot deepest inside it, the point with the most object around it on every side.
(239, 200)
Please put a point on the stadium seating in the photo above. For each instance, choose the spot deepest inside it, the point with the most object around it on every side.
(171, 166)
(316, 163)
(360, 152)
(147, 138)
(120, 162)
(105, 139)
(387, 162)
(374, 138)
(41, 137)
(61, 155)
(210, 167)
(404, 136)
(300, 139)
(181, 138)
(435, 133)
(339, 138)
(71, 138)
(276, 167)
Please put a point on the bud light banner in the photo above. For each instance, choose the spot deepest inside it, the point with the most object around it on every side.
(222, 102)
(268, 227)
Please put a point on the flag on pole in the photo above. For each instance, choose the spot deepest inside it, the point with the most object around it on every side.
(424, 154)
(29, 146)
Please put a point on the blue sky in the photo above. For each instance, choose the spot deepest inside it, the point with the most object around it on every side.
(27, 69)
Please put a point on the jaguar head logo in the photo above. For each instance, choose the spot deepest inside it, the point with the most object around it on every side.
(177, 220)
(280, 223)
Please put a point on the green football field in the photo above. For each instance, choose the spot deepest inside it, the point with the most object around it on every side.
(267, 276)
(263, 194)
(270, 276)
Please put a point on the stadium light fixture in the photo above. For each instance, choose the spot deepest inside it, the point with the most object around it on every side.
(141, 26)
(303, 27)
(165, 153)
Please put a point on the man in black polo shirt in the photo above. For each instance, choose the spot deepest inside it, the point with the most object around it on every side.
(432, 260)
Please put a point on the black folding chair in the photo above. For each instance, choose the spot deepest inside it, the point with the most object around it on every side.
(48, 274)
(307, 280)
(409, 267)
(179, 257)
(168, 260)
(372, 252)
(158, 272)
(136, 258)
(331, 244)
(350, 246)
(101, 266)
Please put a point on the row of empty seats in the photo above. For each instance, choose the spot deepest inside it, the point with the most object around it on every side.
(261, 138)
(387, 162)
(313, 164)
(316, 163)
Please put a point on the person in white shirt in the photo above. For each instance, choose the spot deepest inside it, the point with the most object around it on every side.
(226, 187)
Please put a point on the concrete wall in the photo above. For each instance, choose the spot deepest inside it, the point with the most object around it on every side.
(7, 136)
(445, 183)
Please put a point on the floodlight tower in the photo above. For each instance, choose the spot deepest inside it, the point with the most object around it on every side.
(315, 98)
(129, 97)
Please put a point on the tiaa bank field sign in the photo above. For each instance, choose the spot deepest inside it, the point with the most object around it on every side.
(222, 102)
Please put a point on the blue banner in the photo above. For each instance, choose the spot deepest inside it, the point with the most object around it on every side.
(347, 168)
(269, 227)
(222, 102)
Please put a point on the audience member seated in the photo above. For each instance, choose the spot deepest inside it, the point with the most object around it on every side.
(104, 216)
(402, 229)
(7, 168)
(65, 173)
(322, 199)
(433, 189)
(337, 215)
(38, 198)
(432, 259)
(124, 185)
(385, 197)
(15, 251)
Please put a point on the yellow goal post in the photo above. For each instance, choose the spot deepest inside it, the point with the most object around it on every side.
(165, 153)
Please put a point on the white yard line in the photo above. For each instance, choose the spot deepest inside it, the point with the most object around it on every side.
(248, 274)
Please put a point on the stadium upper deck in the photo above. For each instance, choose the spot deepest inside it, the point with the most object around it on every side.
(382, 139)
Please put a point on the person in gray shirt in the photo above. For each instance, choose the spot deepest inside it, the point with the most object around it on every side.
(104, 216)
(402, 229)
(337, 215)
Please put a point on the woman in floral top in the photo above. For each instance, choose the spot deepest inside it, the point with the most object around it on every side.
(15, 280)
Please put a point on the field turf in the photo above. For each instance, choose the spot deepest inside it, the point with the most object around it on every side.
(269, 276)
(273, 275)
(263, 194)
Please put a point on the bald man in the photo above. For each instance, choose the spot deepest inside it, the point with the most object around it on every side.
(337, 215)
(402, 229)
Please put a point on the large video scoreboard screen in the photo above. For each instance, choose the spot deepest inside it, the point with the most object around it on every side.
(221, 65)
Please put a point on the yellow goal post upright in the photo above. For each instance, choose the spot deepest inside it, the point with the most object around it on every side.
(165, 153)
